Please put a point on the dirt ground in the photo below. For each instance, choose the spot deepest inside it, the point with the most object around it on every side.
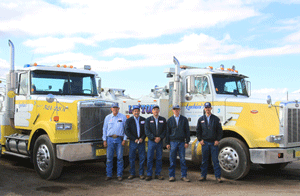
(17, 177)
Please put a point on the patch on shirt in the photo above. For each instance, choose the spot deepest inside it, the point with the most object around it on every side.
(142, 122)
(151, 121)
(120, 120)
(161, 121)
(202, 121)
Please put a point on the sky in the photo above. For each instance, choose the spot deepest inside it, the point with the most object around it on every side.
(130, 43)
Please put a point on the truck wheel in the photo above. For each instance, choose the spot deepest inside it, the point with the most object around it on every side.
(44, 159)
(276, 166)
(234, 158)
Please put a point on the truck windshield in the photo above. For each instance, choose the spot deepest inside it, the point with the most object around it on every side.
(228, 84)
(62, 83)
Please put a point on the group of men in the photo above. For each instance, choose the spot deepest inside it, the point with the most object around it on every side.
(117, 129)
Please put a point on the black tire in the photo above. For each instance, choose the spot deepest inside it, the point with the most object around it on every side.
(276, 166)
(45, 162)
(234, 158)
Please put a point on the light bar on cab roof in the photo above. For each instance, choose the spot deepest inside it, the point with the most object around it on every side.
(87, 67)
(33, 65)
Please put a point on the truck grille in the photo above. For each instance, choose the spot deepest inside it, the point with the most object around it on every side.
(293, 125)
(91, 120)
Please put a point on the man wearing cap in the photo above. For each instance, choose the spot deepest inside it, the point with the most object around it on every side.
(114, 139)
(177, 140)
(209, 133)
(156, 127)
(135, 131)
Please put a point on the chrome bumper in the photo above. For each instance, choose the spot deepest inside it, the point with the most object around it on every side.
(80, 151)
(274, 155)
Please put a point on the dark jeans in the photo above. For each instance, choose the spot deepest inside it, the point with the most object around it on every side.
(132, 156)
(209, 147)
(177, 147)
(153, 146)
(112, 146)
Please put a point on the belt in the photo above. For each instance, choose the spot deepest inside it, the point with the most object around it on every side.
(114, 136)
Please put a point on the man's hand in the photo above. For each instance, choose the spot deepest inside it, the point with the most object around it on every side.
(157, 139)
(186, 145)
(123, 142)
(216, 143)
(168, 147)
(136, 141)
(105, 144)
(140, 140)
(202, 143)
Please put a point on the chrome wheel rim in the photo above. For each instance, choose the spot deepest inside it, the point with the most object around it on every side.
(43, 157)
(229, 159)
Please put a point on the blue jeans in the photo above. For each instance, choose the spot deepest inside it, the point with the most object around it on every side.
(207, 148)
(152, 146)
(132, 155)
(177, 147)
(112, 146)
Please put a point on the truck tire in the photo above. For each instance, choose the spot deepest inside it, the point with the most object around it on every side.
(276, 166)
(45, 162)
(234, 158)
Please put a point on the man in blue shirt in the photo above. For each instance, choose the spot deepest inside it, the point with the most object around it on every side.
(156, 128)
(114, 139)
(135, 131)
(209, 133)
(177, 140)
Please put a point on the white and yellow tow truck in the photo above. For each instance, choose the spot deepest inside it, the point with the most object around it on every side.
(52, 114)
(254, 131)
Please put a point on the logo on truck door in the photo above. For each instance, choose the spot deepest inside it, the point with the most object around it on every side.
(145, 109)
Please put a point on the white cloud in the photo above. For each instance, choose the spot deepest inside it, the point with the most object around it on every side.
(276, 94)
(117, 18)
(56, 45)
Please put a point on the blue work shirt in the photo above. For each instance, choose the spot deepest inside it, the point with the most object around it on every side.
(207, 118)
(177, 119)
(137, 122)
(114, 125)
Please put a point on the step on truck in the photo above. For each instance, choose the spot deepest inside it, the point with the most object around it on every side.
(52, 115)
(254, 130)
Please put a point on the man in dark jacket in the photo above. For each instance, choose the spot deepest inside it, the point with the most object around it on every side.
(156, 127)
(135, 131)
(209, 133)
(177, 140)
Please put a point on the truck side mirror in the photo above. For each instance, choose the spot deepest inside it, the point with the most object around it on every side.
(190, 84)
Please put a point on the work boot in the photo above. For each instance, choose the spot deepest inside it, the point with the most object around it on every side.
(159, 177)
(120, 178)
(202, 179)
(185, 179)
(108, 178)
(172, 179)
(142, 177)
(131, 177)
(148, 178)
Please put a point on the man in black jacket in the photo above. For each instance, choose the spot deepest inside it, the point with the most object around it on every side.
(177, 140)
(156, 127)
(209, 133)
(135, 131)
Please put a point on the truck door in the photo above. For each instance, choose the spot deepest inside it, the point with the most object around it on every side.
(22, 105)
(197, 91)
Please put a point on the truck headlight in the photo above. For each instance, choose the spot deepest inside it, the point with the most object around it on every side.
(275, 138)
(63, 126)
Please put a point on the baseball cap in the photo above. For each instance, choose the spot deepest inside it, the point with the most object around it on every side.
(155, 106)
(115, 105)
(135, 107)
(207, 105)
(176, 107)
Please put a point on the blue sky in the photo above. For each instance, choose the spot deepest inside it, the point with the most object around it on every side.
(130, 43)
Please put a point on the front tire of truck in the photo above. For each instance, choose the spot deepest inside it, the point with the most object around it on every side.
(45, 162)
(234, 158)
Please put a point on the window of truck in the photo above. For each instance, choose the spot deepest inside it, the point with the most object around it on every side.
(62, 83)
(228, 84)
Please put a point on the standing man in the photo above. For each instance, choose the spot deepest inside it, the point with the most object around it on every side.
(114, 139)
(135, 131)
(177, 139)
(209, 133)
(156, 128)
